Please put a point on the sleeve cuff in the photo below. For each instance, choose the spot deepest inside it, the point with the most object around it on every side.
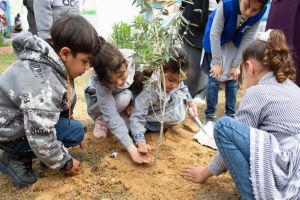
(139, 137)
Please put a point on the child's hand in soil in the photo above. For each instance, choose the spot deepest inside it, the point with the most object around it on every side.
(139, 157)
(197, 174)
(143, 147)
(75, 168)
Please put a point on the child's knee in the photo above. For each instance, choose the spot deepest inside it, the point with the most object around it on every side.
(219, 129)
(123, 100)
(78, 131)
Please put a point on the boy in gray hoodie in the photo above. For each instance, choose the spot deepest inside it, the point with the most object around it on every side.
(34, 91)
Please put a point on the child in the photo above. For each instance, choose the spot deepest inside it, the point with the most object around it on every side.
(229, 30)
(108, 97)
(34, 91)
(146, 112)
(261, 147)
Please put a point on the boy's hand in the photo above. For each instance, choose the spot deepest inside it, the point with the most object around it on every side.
(138, 157)
(234, 72)
(75, 168)
(193, 106)
(81, 146)
(216, 71)
(143, 147)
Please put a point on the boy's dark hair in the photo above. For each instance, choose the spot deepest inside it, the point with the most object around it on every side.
(107, 61)
(177, 64)
(179, 61)
(76, 33)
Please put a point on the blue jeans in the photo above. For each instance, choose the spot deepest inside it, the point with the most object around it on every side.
(212, 97)
(233, 141)
(69, 135)
(155, 126)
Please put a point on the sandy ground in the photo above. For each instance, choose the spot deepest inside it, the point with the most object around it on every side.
(104, 177)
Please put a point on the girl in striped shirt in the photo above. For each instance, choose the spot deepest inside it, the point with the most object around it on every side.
(261, 147)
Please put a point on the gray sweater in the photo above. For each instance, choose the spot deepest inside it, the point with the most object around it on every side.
(33, 92)
(228, 55)
(48, 11)
(147, 107)
(100, 101)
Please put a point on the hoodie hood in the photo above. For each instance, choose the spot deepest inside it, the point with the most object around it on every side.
(31, 47)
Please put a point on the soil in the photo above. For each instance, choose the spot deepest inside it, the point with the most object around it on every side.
(104, 177)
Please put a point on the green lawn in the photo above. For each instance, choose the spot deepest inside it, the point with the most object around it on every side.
(5, 61)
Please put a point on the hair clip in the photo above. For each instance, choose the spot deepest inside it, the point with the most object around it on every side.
(264, 36)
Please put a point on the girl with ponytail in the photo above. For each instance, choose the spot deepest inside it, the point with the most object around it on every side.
(261, 146)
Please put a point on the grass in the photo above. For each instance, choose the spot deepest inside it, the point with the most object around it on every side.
(6, 60)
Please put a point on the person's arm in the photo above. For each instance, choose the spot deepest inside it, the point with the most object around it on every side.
(215, 36)
(140, 111)
(217, 166)
(185, 90)
(108, 108)
(250, 113)
(253, 106)
(190, 102)
(246, 40)
(43, 17)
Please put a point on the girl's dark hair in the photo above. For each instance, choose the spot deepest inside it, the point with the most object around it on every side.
(179, 61)
(107, 61)
(274, 55)
(76, 33)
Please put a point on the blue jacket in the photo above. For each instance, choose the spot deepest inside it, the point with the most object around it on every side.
(231, 12)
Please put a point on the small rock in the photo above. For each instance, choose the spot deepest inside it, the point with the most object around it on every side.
(114, 154)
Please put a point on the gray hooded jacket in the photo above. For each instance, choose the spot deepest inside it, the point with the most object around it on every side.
(48, 11)
(33, 92)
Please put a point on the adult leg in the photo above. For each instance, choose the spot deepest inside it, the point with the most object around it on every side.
(232, 139)
(197, 79)
(230, 96)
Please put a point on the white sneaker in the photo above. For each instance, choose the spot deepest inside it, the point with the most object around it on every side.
(198, 101)
(100, 129)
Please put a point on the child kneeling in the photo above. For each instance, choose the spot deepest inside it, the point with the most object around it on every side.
(35, 91)
(109, 98)
(146, 113)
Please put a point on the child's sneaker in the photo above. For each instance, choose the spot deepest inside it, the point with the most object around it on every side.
(100, 129)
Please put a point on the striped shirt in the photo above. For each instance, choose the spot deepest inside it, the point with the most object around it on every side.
(273, 110)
